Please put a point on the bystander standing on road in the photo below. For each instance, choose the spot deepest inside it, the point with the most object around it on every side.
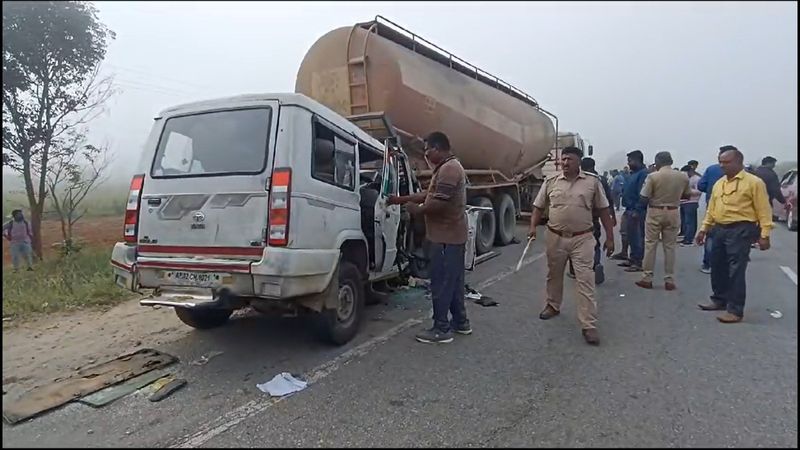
(571, 199)
(710, 176)
(446, 229)
(634, 214)
(739, 214)
(623, 229)
(18, 232)
(689, 207)
(617, 183)
(662, 192)
(767, 174)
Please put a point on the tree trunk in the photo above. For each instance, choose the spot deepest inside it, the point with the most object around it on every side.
(33, 205)
(36, 225)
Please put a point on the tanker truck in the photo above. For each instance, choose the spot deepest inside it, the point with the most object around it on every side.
(394, 84)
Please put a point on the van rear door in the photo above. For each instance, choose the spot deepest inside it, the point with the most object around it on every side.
(206, 192)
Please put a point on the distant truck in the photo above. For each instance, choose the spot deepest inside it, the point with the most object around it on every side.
(393, 83)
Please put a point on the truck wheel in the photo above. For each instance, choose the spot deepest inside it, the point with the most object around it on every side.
(484, 235)
(506, 218)
(339, 326)
(203, 319)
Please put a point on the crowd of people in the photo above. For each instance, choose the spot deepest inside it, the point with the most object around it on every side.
(660, 204)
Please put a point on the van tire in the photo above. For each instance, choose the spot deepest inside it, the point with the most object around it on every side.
(506, 217)
(330, 324)
(487, 226)
(203, 319)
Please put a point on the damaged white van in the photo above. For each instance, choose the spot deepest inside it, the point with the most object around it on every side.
(272, 201)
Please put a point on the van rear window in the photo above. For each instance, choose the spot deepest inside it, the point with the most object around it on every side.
(214, 143)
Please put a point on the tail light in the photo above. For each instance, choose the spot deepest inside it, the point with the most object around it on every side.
(279, 203)
(132, 209)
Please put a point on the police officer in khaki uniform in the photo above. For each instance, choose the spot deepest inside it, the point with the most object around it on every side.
(570, 200)
(662, 191)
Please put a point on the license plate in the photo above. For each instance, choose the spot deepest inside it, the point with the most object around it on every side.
(204, 279)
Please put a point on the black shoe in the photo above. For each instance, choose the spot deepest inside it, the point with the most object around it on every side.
(620, 257)
(434, 336)
(464, 329)
(599, 274)
(30, 269)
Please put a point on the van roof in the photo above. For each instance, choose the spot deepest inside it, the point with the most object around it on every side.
(284, 99)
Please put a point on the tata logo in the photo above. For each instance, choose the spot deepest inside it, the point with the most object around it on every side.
(198, 217)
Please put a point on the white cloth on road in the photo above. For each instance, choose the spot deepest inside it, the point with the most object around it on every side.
(283, 384)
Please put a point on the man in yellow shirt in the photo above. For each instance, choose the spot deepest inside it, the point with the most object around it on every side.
(738, 214)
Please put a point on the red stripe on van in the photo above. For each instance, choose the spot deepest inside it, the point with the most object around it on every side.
(175, 249)
(198, 266)
(121, 266)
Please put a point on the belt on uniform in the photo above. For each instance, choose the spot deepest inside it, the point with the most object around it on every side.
(664, 208)
(568, 234)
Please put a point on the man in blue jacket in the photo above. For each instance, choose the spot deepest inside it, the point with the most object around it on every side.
(706, 183)
(635, 210)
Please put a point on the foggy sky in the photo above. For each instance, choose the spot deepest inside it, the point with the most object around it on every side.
(683, 77)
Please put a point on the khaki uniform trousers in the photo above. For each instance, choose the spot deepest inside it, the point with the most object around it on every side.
(660, 225)
(580, 249)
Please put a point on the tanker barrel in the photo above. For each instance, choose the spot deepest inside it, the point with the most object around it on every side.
(381, 67)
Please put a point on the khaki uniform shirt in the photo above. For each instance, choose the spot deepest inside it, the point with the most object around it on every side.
(665, 187)
(570, 203)
(449, 224)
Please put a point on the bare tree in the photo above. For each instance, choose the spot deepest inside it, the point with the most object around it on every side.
(78, 169)
(51, 87)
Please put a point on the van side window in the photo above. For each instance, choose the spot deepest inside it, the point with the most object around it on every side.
(334, 158)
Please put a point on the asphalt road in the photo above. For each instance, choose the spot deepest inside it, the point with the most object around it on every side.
(665, 374)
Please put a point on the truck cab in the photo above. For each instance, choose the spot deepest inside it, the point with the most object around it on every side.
(272, 201)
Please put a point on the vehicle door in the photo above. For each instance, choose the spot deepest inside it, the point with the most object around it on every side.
(387, 217)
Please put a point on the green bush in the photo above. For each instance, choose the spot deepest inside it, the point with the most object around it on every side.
(71, 282)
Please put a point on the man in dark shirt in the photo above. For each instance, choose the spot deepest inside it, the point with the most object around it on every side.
(588, 166)
(767, 174)
(634, 210)
(444, 209)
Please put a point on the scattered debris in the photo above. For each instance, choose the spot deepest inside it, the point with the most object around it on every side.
(84, 382)
(89, 431)
(776, 314)
(282, 384)
(486, 257)
(486, 301)
(477, 297)
(418, 282)
(167, 389)
(203, 360)
(106, 396)
(622, 295)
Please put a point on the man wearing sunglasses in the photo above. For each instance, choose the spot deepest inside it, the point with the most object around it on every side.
(443, 207)
(739, 213)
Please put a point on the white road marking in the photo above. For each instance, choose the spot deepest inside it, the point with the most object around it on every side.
(790, 273)
(210, 430)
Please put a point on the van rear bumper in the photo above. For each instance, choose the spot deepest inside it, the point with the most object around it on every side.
(288, 273)
(281, 274)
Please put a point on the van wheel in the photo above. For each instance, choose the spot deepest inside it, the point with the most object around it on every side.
(484, 235)
(203, 319)
(506, 218)
(339, 326)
